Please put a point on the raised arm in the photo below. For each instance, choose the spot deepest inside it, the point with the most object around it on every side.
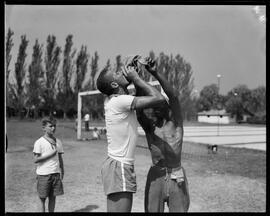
(142, 118)
(151, 97)
(170, 92)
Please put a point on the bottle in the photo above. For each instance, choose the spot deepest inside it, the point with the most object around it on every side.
(142, 60)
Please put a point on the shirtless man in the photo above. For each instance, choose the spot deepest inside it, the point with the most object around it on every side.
(163, 126)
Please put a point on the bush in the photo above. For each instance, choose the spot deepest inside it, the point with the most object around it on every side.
(257, 119)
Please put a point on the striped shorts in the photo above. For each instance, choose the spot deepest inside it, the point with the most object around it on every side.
(118, 177)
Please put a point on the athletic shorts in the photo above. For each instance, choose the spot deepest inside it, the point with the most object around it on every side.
(49, 185)
(118, 177)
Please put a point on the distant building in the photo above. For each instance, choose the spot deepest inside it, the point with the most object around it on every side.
(215, 117)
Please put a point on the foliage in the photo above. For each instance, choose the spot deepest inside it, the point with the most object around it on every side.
(65, 96)
(93, 106)
(94, 70)
(81, 68)
(208, 98)
(9, 45)
(18, 93)
(43, 86)
(35, 79)
(52, 61)
(118, 62)
(237, 101)
(257, 103)
(241, 101)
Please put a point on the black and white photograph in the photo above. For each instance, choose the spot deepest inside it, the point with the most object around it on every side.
(135, 108)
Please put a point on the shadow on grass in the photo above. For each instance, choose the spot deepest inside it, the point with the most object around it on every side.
(87, 208)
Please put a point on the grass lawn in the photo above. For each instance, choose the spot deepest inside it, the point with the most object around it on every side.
(232, 180)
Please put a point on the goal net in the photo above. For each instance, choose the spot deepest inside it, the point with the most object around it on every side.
(90, 108)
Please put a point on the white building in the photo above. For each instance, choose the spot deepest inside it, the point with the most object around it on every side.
(215, 117)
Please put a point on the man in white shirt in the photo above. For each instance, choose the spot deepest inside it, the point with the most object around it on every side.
(86, 121)
(118, 175)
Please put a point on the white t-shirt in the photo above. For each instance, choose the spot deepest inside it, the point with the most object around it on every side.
(87, 117)
(51, 165)
(121, 125)
(95, 134)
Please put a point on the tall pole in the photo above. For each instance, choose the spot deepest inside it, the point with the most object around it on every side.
(79, 117)
(218, 78)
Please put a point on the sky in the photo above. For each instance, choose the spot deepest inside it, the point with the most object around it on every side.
(214, 39)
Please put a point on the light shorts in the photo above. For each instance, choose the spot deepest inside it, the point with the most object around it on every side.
(49, 185)
(118, 177)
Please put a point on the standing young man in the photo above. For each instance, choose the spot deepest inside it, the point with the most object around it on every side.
(118, 174)
(86, 121)
(163, 126)
(48, 152)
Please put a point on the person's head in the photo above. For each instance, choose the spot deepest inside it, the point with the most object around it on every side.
(48, 125)
(110, 80)
(157, 115)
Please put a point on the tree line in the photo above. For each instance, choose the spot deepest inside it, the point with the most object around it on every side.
(50, 84)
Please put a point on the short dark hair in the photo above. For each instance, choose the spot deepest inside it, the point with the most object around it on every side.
(48, 119)
(102, 84)
(164, 110)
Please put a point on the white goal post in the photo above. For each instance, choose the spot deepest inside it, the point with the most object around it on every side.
(94, 92)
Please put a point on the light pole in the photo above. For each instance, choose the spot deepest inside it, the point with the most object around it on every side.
(218, 78)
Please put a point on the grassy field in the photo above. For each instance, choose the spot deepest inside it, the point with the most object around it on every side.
(233, 180)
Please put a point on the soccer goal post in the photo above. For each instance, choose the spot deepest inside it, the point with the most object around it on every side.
(95, 92)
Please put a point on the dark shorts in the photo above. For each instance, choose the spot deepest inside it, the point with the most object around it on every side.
(118, 177)
(160, 188)
(49, 185)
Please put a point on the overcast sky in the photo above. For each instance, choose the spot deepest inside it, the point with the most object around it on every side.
(225, 40)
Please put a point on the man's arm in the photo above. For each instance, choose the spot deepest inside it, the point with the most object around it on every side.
(61, 165)
(38, 158)
(152, 97)
(170, 92)
(141, 117)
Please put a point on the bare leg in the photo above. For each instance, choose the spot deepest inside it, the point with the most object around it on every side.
(51, 203)
(42, 204)
(119, 202)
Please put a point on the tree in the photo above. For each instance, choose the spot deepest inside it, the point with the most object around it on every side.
(52, 61)
(20, 65)
(94, 69)
(238, 101)
(9, 45)
(65, 96)
(257, 103)
(118, 62)
(35, 79)
(208, 98)
(81, 68)
(179, 74)
(108, 63)
(92, 105)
